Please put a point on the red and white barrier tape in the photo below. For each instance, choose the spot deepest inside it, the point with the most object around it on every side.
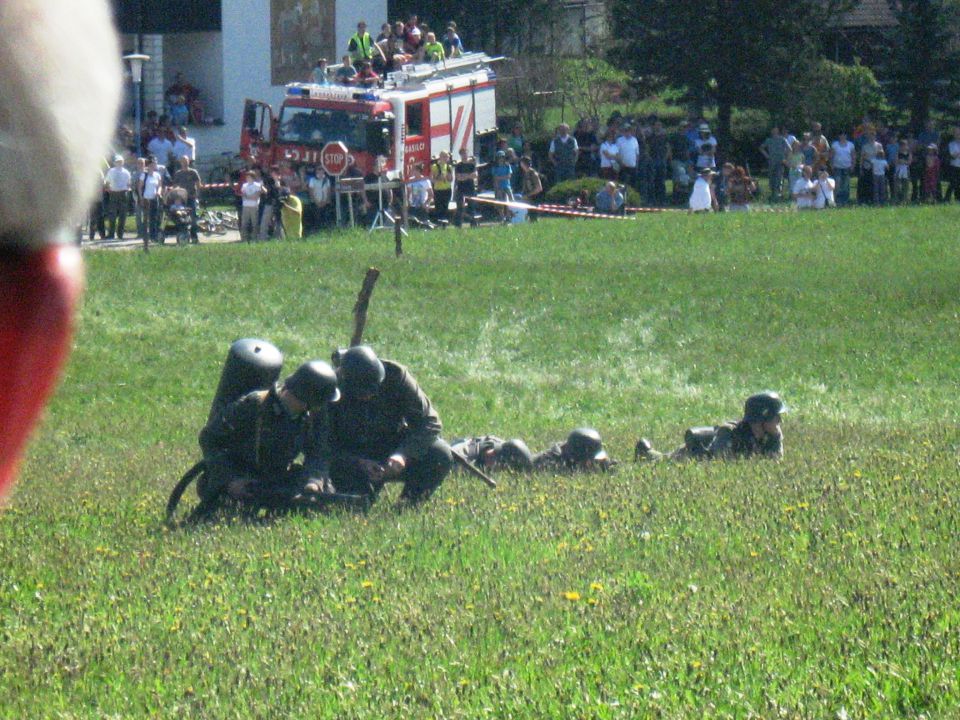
(547, 209)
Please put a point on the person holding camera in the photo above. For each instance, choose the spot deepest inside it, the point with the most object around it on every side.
(610, 199)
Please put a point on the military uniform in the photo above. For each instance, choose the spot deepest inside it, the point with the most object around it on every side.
(487, 451)
(397, 420)
(256, 438)
(734, 439)
(557, 459)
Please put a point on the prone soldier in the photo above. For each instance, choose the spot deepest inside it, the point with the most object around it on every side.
(249, 447)
(384, 429)
(581, 451)
(757, 433)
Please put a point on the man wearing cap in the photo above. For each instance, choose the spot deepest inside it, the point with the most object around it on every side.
(756, 434)
(249, 448)
(706, 148)
(384, 429)
(117, 184)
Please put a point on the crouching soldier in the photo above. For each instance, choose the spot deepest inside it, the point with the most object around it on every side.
(757, 433)
(384, 429)
(488, 452)
(582, 451)
(250, 446)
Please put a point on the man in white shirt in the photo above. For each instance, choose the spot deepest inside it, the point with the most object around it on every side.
(706, 145)
(804, 189)
(824, 191)
(610, 156)
(185, 146)
(843, 158)
(117, 184)
(161, 147)
(151, 190)
(629, 148)
(250, 193)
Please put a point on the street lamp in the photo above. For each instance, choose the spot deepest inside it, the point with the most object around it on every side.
(136, 61)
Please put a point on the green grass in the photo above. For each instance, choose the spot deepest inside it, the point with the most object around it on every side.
(824, 583)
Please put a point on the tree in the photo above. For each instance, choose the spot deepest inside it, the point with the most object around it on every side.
(837, 96)
(923, 66)
(732, 52)
(589, 83)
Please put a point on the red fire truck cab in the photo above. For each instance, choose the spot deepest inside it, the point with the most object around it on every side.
(420, 111)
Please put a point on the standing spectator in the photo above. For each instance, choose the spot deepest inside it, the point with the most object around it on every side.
(531, 187)
(824, 196)
(189, 179)
(804, 190)
(502, 183)
(629, 148)
(589, 144)
(138, 207)
(901, 172)
(930, 190)
(513, 160)
(930, 135)
(609, 200)
(465, 180)
(740, 190)
(320, 190)
(98, 208)
(161, 147)
(681, 170)
(953, 169)
(250, 193)
(420, 196)
(270, 211)
(515, 141)
(564, 153)
(726, 171)
(821, 147)
(703, 198)
(794, 164)
(151, 190)
(452, 45)
(843, 158)
(184, 146)
(809, 152)
(774, 150)
(879, 164)
(659, 147)
(891, 149)
(610, 156)
(117, 184)
(441, 172)
(706, 148)
(868, 149)
(360, 45)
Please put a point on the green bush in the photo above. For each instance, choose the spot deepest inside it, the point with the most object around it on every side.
(561, 192)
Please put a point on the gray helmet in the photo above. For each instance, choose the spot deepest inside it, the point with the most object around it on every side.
(314, 383)
(515, 455)
(360, 371)
(763, 406)
(584, 444)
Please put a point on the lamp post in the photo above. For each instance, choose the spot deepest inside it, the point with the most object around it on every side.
(136, 61)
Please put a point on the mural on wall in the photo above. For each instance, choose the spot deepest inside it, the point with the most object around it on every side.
(300, 32)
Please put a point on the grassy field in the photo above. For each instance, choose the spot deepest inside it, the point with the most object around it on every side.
(824, 586)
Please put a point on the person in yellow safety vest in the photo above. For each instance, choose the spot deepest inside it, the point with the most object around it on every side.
(360, 46)
(432, 50)
(291, 211)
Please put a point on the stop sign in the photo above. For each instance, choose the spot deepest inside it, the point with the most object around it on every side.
(334, 158)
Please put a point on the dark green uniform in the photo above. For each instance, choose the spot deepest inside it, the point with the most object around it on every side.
(397, 420)
(733, 439)
(489, 451)
(256, 438)
(557, 459)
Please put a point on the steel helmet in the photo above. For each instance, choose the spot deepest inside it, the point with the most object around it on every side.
(360, 371)
(584, 444)
(763, 406)
(314, 384)
(515, 455)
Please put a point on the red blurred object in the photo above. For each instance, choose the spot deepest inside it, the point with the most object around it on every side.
(39, 290)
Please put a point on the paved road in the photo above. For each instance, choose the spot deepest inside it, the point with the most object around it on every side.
(133, 243)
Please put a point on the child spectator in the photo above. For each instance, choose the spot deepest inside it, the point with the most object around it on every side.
(502, 183)
(452, 45)
(740, 190)
(433, 51)
(703, 199)
(366, 77)
(901, 172)
(879, 166)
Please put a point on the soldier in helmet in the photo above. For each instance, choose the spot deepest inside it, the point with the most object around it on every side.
(757, 433)
(384, 429)
(488, 452)
(250, 446)
(581, 451)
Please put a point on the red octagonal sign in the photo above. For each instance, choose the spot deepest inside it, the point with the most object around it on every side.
(335, 158)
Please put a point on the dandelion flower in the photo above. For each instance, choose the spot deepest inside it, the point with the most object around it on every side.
(596, 586)
(572, 595)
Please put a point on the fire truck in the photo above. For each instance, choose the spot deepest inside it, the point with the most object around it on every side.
(418, 112)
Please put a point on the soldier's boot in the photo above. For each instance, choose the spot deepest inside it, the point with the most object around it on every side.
(643, 451)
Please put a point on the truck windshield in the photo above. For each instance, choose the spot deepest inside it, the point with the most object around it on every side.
(309, 126)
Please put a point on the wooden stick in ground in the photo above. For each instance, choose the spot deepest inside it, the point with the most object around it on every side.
(360, 308)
